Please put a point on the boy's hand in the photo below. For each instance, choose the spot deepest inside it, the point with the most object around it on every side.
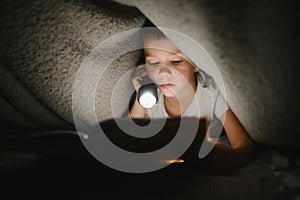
(139, 72)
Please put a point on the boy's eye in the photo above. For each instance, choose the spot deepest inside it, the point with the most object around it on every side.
(153, 63)
(176, 62)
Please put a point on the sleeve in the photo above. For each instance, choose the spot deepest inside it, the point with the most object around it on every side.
(220, 104)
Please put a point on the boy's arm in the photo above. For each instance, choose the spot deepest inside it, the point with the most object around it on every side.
(236, 133)
(242, 150)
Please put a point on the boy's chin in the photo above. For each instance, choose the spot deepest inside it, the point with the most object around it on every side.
(169, 94)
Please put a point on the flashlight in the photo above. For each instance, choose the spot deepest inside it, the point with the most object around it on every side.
(147, 95)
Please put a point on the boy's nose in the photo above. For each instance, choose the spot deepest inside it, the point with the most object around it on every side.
(164, 69)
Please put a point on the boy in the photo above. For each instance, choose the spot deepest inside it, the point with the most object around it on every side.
(186, 91)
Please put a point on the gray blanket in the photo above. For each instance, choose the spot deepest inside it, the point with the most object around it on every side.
(43, 44)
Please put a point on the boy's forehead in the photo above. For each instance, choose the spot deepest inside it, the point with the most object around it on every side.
(151, 46)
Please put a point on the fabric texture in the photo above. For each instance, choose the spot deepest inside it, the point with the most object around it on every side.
(43, 44)
(253, 44)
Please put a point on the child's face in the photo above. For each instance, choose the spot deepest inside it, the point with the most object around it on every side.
(168, 67)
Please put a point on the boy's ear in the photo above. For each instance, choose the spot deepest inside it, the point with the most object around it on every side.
(196, 69)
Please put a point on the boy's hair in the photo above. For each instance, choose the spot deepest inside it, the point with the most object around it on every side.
(150, 31)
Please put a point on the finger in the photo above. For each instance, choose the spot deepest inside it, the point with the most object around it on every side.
(139, 72)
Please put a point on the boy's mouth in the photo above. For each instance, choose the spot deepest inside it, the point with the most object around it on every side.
(166, 86)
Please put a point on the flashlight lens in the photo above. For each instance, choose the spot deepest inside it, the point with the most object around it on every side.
(147, 95)
(147, 100)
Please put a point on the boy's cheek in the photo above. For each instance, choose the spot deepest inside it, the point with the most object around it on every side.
(151, 75)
